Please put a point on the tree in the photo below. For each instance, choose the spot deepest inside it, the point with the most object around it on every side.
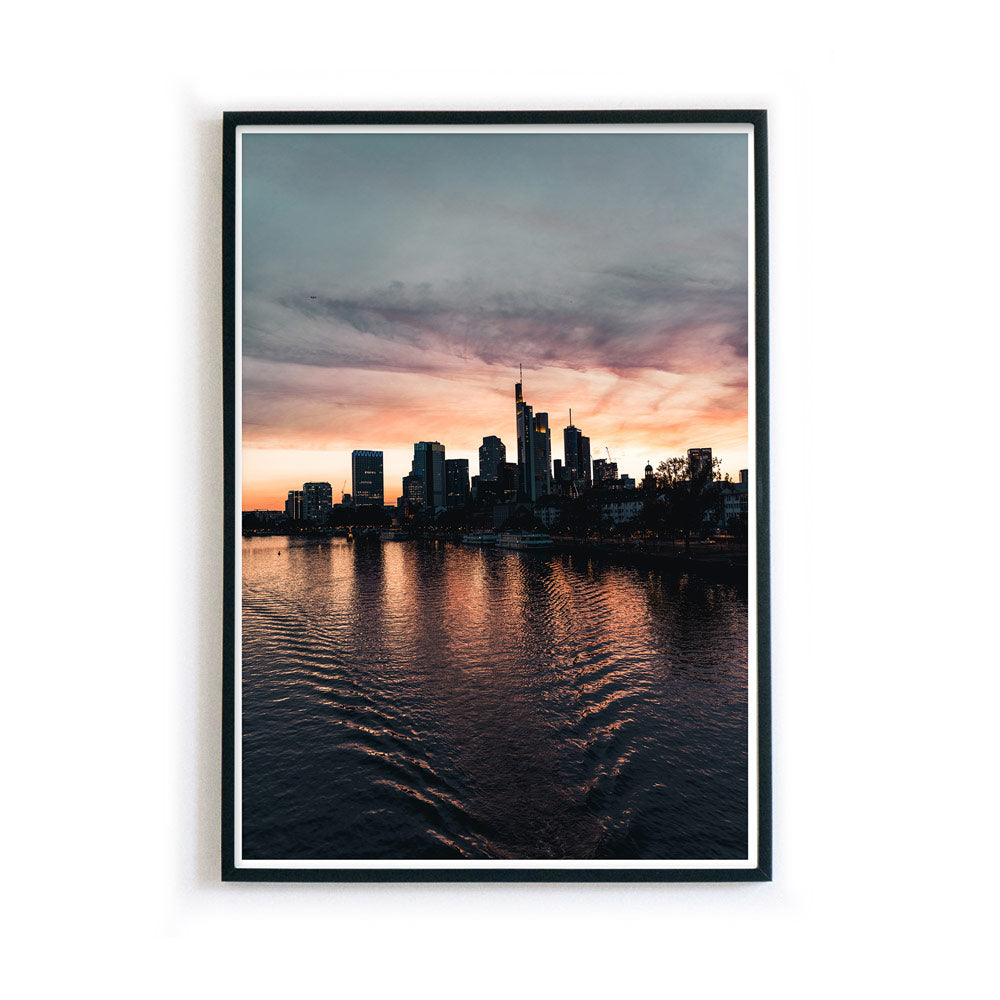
(692, 495)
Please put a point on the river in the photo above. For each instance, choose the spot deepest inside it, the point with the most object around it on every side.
(420, 699)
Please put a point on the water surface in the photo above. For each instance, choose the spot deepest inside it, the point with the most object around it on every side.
(407, 700)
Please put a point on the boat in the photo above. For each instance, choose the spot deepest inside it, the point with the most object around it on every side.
(394, 536)
(479, 538)
(523, 540)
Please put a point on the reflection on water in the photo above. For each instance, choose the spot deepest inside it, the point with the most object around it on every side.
(422, 700)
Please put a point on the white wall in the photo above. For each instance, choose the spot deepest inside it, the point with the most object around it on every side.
(884, 263)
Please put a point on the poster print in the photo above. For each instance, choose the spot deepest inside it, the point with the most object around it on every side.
(496, 538)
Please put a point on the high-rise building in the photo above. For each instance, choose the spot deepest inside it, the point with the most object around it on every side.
(492, 454)
(456, 474)
(700, 463)
(428, 464)
(295, 506)
(585, 459)
(366, 477)
(318, 499)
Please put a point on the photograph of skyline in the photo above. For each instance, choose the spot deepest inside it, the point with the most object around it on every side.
(497, 488)
(394, 283)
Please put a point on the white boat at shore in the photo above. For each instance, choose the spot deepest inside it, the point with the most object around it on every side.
(523, 540)
(479, 538)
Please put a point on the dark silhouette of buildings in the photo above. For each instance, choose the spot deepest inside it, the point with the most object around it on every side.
(318, 500)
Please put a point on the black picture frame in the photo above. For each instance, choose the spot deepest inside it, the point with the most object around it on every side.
(761, 868)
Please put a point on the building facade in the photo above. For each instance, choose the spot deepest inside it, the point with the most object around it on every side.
(366, 477)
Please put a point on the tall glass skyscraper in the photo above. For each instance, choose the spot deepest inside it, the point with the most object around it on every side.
(428, 464)
(366, 477)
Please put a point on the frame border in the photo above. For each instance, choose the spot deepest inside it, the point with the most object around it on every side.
(231, 121)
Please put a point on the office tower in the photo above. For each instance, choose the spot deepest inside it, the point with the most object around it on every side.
(428, 464)
(295, 505)
(456, 474)
(700, 463)
(366, 477)
(492, 454)
(542, 443)
(318, 500)
(584, 467)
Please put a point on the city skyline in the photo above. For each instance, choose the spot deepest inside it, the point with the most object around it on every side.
(613, 269)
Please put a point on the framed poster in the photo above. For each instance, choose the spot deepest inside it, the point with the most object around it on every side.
(496, 517)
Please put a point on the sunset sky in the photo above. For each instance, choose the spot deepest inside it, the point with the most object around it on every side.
(392, 283)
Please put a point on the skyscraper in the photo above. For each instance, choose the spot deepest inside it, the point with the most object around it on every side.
(366, 477)
(492, 454)
(456, 474)
(428, 464)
